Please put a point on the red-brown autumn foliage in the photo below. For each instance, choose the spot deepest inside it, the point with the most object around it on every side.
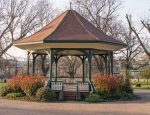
(28, 84)
(108, 84)
(14, 83)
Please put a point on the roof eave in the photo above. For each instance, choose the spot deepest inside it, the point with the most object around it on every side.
(83, 41)
(27, 43)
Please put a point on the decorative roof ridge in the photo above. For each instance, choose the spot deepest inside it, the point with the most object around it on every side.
(74, 12)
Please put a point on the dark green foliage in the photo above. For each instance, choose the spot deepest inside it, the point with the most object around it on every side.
(117, 95)
(16, 90)
(127, 87)
(4, 91)
(127, 96)
(5, 80)
(138, 85)
(94, 98)
(14, 95)
(44, 94)
(104, 95)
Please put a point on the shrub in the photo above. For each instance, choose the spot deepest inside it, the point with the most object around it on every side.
(145, 73)
(5, 80)
(30, 84)
(4, 91)
(14, 95)
(127, 87)
(26, 84)
(14, 84)
(45, 95)
(94, 98)
(127, 96)
(108, 85)
(138, 85)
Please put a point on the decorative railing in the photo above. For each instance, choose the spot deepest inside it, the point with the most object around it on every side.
(57, 86)
(82, 86)
(79, 86)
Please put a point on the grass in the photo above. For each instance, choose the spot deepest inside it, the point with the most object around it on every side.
(143, 83)
(1, 85)
(142, 87)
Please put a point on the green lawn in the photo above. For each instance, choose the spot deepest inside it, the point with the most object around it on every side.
(1, 85)
(142, 87)
(143, 83)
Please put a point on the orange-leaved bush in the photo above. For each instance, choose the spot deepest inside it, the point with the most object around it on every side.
(14, 83)
(26, 84)
(30, 84)
(108, 85)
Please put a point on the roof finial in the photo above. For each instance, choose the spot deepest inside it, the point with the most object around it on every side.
(70, 5)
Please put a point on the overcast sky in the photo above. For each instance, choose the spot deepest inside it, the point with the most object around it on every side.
(138, 9)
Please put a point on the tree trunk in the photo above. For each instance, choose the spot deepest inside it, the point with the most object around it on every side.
(44, 69)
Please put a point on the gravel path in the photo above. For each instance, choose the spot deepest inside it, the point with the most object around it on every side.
(139, 107)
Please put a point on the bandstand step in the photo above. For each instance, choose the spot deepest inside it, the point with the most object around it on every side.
(69, 95)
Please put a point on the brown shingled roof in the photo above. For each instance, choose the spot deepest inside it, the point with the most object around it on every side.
(69, 27)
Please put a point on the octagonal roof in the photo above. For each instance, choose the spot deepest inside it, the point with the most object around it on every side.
(69, 27)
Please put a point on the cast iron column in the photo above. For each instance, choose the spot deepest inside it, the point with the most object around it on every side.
(106, 64)
(112, 63)
(83, 69)
(109, 63)
(90, 64)
(28, 63)
(51, 64)
(56, 62)
(33, 65)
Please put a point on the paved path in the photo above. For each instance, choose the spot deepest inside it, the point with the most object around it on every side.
(140, 107)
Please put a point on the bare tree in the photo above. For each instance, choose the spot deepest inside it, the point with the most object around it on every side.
(99, 63)
(101, 13)
(43, 65)
(146, 25)
(7, 65)
(131, 51)
(19, 18)
(70, 65)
